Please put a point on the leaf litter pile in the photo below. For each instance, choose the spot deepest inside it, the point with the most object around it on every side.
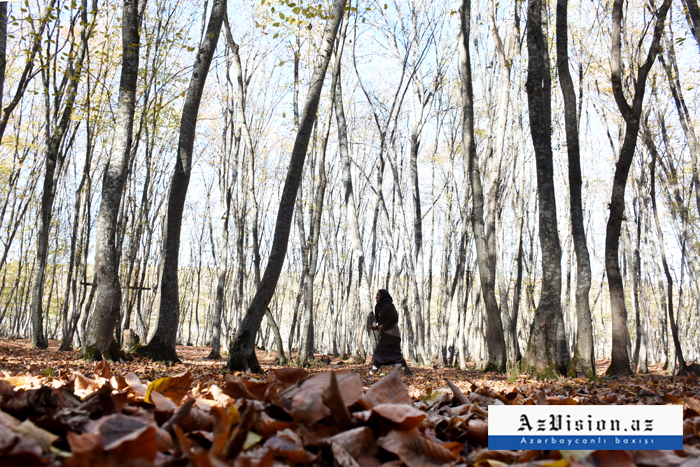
(141, 413)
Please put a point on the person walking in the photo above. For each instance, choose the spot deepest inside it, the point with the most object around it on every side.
(388, 351)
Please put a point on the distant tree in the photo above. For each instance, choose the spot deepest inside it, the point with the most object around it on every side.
(55, 157)
(162, 344)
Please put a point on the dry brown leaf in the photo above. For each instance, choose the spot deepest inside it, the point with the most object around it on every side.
(268, 426)
(507, 457)
(357, 442)
(5, 387)
(102, 369)
(162, 403)
(417, 451)
(690, 402)
(235, 387)
(609, 458)
(404, 417)
(288, 444)
(44, 438)
(83, 385)
(306, 402)
(388, 390)
(341, 457)
(135, 384)
(648, 458)
(172, 387)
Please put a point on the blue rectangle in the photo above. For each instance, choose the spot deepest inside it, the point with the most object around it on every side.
(591, 442)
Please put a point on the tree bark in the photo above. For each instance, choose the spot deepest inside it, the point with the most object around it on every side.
(620, 362)
(495, 338)
(100, 333)
(162, 345)
(682, 367)
(583, 361)
(693, 17)
(27, 75)
(54, 162)
(546, 355)
(242, 351)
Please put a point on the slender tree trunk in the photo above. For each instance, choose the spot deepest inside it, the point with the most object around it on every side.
(27, 74)
(583, 361)
(162, 345)
(54, 162)
(100, 334)
(495, 338)
(242, 351)
(693, 16)
(682, 367)
(620, 363)
(3, 49)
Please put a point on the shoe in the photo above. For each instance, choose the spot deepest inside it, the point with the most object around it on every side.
(373, 370)
(407, 371)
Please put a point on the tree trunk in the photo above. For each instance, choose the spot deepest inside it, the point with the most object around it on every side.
(546, 355)
(162, 345)
(620, 363)
(583, 361)
(242, 351)
(682, 367)
(307, 345)
(100, 333)
(693, 17)
(27, 74)
(495, 339)
(54, 162)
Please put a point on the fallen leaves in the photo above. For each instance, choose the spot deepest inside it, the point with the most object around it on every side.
(142, 413)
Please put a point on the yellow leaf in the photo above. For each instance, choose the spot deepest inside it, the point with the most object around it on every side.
(172, 387)
(251, 440)
(557, 463)
(233, 414)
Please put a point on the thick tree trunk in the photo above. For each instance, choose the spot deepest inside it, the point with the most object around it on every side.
(583, 361)
(100, 333)
(162, 345)
(54, 162)
(620, 362)
(546, 355)
(495, 338)
(242, 351)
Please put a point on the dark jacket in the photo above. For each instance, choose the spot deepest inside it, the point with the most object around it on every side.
(389, 318)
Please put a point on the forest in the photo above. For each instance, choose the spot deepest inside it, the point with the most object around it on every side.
(522, 176)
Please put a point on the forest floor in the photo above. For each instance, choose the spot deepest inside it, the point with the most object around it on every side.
(56, 409)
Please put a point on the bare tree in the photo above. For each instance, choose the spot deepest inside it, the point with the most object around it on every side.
(162, 344)
(495, 338)
(55, 157)
(547, 352)
(242, 350)
(583, 361)
(620, 362)
(100, 335)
